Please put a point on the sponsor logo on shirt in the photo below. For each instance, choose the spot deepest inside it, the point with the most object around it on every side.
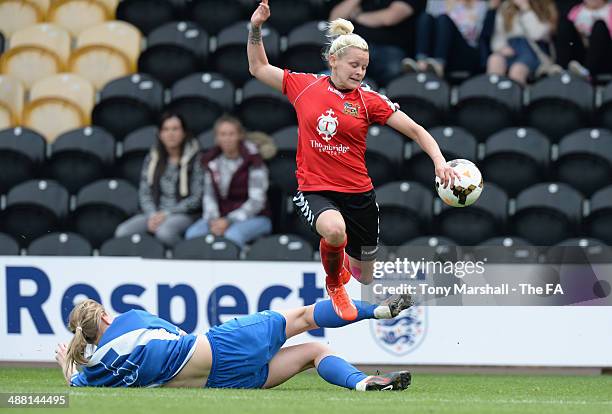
(351, 109)
(336, 91)
(329, 148)
(327, 125)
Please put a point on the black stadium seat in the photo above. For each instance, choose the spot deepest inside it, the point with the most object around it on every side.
(80, 156)
(604, 112)
(230, 57)
(579, 251)
(206, 247)
(423, 96)
(34, 208)
(289, 14)
(146, 15)
(482, 220)
(60, 244)
(264, 108)
(487, 103)
(384, 154)
(207, 139)
(598, 223)
(134, 150)
(139, 245)
(430, 248)
(559, 104)
(201, 98)
(585, 160)
(280, 247)
(506, 250)
(305, 46)
(516, 158)
(128, 103)
(8, 246)
(174, 51)
(101, 207)
(405, 210)
(454, 142)
(547, 213)
(215, 15)
(21, 153)
(282, 166)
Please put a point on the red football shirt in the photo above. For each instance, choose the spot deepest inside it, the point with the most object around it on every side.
(332, 131)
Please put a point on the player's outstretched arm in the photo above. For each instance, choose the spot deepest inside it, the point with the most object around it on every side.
(258, 61)
(406, 125)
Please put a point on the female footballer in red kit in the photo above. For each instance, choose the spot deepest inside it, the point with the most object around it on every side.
(335, 194)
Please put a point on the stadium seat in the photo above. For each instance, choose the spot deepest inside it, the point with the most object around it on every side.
(58, 104)
(264, 108)
(405, 210)
(22, 152)
(215, 15)
(60, 244)
(8, 246)
(290, 14)
(454, 142)
(101, 206)
(516, 158)
(80, 157)
(146, 15)
(506, 250)
(207, 139)
(12, 95)
(2, 43)
(559, 104)
(423, 96)
(282, 166)
(174, 51)
(206, 247)
(128, 103)
(305, 45)
(135, 148)
(280, 247)
(18, 14)
(77, 15)
(598, 224)
(201, 98)
(547, 213)
(585, 160)
(429, 248)
(384, 154)
(139, 245)
(36, 52)
(604, 112)
(106, 52)
(487, 103)
(34, 208)
(230, 57)
(579, 251)
(481, 221)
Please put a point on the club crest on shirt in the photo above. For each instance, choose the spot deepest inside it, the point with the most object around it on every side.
(350, 109)
(327, 125)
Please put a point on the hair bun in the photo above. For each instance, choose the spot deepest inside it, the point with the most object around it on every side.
(340, 27)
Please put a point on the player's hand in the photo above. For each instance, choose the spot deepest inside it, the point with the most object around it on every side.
(446, 174)
(261, 14)
(60, 354)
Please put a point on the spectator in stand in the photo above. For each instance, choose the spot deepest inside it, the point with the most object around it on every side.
(449, 36)
(584, 40)
(170, 192)
(235, 186)
(521, 43)
(389, 26)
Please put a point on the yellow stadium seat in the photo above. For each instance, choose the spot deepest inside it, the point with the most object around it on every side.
(36, 52)
(78, 15)
(58, 104)
(105, 52)
(18, 14)
(12, 94)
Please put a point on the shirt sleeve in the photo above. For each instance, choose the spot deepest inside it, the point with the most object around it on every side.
(147, 204)
(294, 83)
(78, 380)
(258, 186)
(210, 207)
(379, 107)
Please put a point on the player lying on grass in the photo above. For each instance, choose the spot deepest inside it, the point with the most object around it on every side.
(137, 349)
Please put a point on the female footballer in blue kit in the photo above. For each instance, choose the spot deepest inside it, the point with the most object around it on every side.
(138, 349)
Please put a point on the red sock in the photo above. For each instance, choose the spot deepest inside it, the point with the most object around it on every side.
(332, 258)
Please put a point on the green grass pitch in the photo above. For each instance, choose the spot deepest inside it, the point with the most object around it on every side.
(307, 393)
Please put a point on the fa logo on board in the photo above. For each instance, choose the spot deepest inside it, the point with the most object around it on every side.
(327, 125)
(403, 334)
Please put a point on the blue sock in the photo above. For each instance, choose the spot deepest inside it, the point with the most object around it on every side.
(325, 316)
(337, 371)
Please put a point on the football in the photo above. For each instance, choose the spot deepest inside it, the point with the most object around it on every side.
(467, 190)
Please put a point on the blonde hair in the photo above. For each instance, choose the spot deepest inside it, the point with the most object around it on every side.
(340, 31)
(83, 322)
(545, 10)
